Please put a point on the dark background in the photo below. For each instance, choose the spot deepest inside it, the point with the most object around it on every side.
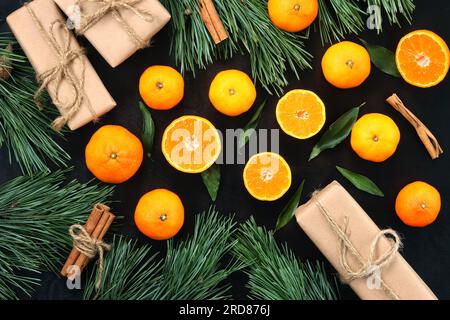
(426, 249)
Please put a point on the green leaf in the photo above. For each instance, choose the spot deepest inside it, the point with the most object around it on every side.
(148, 129)
(289, 210)
(382, 58)
(337, 132)
(211, 179)
(361, 182)
(251, 126)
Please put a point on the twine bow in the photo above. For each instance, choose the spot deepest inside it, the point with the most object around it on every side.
(65, 56)
(83, 242)
(114, 7)
(373, 263)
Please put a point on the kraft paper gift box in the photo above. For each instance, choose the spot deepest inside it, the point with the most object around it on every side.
(110, 36)
(339, 205)
(29, 28)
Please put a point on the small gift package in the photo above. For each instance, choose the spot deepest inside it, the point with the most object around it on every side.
(365, 257)
(116, 28)
(60, 64)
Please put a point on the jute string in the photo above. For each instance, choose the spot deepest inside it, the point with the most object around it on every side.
(83, 242)
(114, 7)
(65, 56)
(373, 263)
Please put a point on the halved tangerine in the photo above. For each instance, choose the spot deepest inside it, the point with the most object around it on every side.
(191, 144)
(300, 113)
(422, 58)
(267, 176)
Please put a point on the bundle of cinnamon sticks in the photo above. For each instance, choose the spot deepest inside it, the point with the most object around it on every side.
(96, 226)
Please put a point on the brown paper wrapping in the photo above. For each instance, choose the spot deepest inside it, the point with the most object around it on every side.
(109, 37)
(399, 275)
(43, 57)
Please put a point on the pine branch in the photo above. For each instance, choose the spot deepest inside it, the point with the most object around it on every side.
(338, 18)
(394, 8)
(271, 50)
(275, 273)
(129, 272)
(35, 214)
(191, 270)
(25, 130)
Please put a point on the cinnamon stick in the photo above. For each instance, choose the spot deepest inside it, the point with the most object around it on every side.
(98, 233)
(83, 260)
(428, 139)
(212, 21)
(90, 225)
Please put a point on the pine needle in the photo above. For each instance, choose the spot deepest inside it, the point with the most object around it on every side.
(338, 18)
(25, 130)
(191, 270)
(394, 8)
(129, 272)
(275, 273)
(35, 214)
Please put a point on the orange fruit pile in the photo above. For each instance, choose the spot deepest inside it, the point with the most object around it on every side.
(114, 154)
(191, 144)
(232, 92)
(346, 64)
(300, 113)
(375, 137)
(293, 15)
(159, 214)
(161, 87)
(267, 176)
(418, 204)
(422, 58)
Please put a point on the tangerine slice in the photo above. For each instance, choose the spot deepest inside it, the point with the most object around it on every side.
(267, 176)
(191, 144)
(422, 58)
(300, 113)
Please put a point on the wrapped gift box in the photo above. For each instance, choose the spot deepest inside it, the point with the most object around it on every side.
(43, 58)
(110, 36)
(361, 230)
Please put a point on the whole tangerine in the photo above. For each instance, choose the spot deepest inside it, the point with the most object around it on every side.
(232, 92)
(293, 15)
(161, 87)
(418, 204)
(375, 137)
(346, 64)
(159, 214)
(113, 154)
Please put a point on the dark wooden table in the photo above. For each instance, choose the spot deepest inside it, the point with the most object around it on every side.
(426, 249)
